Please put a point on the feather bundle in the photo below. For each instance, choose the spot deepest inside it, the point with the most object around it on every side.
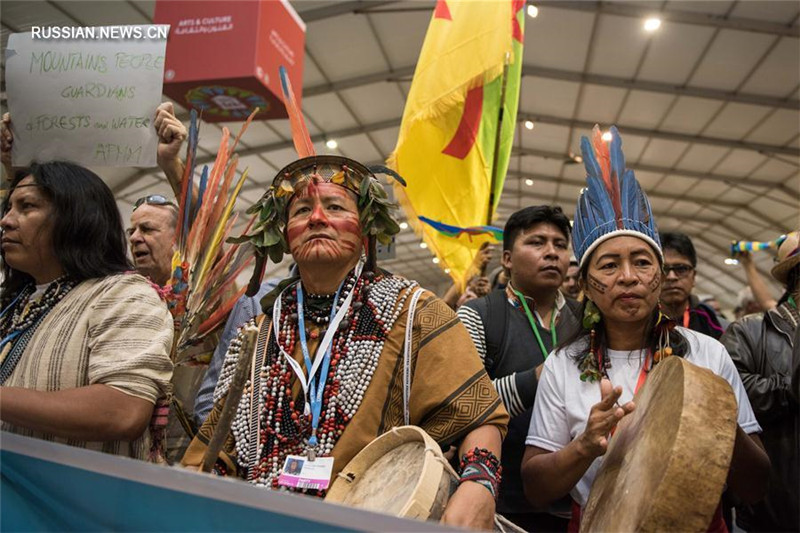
(201, 292)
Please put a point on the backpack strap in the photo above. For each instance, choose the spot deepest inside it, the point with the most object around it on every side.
(495, 328)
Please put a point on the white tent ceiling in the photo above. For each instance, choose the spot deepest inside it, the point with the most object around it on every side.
(708, 107)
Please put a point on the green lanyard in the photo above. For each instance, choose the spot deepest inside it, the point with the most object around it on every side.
(792, 302)
(534, 327)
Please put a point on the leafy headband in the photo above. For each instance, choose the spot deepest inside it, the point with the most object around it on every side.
(268, 233)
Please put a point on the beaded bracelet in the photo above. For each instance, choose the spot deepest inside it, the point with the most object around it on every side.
(483, 467)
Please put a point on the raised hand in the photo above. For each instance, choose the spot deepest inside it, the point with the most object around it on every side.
(171, 133)
(603, 418)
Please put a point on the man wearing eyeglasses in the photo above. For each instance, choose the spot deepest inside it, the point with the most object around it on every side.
(677, 300)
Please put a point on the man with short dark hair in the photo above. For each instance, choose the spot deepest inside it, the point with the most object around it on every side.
(677, 300)
(514, 330)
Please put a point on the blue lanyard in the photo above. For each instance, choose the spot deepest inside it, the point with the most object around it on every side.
(11, 305)
(14, 334)
(9, 338)
(315, 389)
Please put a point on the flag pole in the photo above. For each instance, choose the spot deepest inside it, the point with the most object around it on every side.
(495, 159)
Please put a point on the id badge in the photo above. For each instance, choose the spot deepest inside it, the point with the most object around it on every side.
(299, 472)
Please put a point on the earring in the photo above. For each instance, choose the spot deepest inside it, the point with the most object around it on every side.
(591, 315)
(663, 326)
(590, 364)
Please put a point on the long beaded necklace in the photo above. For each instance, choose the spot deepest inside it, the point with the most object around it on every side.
(20, 319)
(285, 422)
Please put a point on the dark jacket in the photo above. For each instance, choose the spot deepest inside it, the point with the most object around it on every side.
(761, 348)
(512, 349)
(702, 319)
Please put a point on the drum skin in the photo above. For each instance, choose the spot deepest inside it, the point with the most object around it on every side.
(666, 465)
(402, 472)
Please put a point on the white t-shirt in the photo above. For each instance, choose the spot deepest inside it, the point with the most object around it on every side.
(563, 401)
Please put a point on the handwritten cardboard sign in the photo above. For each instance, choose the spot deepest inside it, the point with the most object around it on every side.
(90, 100)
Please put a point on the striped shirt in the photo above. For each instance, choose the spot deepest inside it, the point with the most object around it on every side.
(113, 331)
(506, 385)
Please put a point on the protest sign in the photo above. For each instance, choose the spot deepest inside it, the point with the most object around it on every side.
(86, 95)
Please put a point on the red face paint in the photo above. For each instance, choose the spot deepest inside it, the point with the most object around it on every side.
(324, 225)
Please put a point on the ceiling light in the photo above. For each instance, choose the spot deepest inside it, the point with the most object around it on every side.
(529, 124)
(652, 24)
(423, 245)
(404, 225)
(731, 261)
(435, 260)
(528, 182)
(606, 136)
(573, 159)
(331, 144)
(533, 11)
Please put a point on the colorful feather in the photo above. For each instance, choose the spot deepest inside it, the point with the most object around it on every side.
(300, 136)
(612, 199)
(204, 268)
(186, 183)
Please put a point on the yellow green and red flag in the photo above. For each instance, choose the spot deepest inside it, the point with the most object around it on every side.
(448, 148)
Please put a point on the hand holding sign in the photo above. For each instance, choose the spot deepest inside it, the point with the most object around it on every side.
(89, 101)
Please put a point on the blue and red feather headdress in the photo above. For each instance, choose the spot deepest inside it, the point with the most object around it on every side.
(613, 203)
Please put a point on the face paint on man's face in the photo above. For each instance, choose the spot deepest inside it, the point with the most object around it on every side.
(324, 225)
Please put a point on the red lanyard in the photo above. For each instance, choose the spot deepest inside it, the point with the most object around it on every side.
(642, 378)
(642, 374)
(686, 317)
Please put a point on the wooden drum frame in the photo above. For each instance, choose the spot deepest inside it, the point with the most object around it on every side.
(667, 463)
(402, 472)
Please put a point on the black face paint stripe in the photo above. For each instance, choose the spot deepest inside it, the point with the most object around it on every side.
(596, 284)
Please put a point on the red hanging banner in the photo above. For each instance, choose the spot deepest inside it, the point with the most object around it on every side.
(223, 56)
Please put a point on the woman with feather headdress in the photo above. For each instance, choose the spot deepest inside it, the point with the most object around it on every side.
(581, 395)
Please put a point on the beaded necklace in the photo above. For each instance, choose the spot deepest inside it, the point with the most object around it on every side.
(285, 422)
(22, 317)
(317, 307)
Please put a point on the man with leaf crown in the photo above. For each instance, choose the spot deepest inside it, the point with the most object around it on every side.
(330, 369)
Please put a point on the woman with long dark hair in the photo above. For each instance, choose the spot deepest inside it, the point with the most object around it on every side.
(84, 346)
(588, 383)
